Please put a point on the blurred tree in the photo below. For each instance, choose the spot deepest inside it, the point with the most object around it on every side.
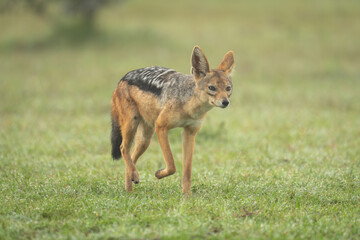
(83, 10)
(37, 6)
(86, 9)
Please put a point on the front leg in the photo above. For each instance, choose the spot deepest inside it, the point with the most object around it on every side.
(162, 134)
(187, 152)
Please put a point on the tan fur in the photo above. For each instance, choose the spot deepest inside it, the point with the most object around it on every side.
(140, 113)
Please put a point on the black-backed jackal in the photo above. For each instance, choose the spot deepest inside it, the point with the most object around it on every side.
(159, 99)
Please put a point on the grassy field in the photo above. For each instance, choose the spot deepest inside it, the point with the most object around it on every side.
(282, 162)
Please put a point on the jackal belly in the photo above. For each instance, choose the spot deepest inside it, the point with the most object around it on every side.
(152, 109)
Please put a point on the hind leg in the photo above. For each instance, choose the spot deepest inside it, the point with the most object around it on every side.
(142, 140)
(131, 174)
(127, 112)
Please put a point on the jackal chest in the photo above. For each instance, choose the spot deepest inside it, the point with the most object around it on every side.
(194, 123)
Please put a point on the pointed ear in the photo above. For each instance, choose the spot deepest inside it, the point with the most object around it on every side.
(199, 63)
(227, 63)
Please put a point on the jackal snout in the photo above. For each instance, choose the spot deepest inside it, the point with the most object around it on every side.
(221, 102)
(224, 103)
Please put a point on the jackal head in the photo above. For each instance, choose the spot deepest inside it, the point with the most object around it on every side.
(214, 85)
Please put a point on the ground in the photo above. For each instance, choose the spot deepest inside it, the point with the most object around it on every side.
(283, 161)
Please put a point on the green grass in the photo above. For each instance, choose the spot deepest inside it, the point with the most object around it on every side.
(283, 161)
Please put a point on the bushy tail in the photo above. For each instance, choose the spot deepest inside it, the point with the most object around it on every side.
(116, 139)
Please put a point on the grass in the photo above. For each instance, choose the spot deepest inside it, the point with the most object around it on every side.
(281, 162)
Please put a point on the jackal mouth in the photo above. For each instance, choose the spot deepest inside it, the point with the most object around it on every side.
(220, 106)
(215, 105)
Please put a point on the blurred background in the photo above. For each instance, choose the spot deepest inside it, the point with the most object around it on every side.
(281, 161)
(296, 80)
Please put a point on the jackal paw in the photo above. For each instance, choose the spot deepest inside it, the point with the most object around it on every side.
(134, 176)
(164, 172)
(158, 174)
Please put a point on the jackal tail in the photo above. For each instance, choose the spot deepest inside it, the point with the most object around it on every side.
(116, 139)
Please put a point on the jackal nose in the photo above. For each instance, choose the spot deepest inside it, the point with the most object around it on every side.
(225, 102)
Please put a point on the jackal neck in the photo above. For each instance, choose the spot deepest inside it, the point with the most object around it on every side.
(198, 105)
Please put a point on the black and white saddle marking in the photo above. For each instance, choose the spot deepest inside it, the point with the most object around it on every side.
(150, 79)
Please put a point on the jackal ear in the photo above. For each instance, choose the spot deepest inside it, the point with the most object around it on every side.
(199, 63)
(227, 63)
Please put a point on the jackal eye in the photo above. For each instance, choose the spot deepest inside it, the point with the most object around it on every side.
(228, 88)
(212, 88)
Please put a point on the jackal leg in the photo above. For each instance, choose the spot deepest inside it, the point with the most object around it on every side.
(188, 137)
(142, 140)
(162, 134)
(131, 174)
